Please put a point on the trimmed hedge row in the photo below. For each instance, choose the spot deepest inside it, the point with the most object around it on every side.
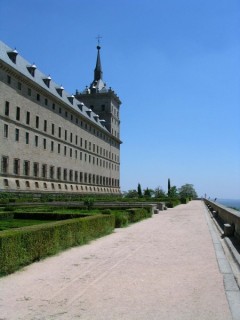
(47, 215)
(23, 246)
(124, 217)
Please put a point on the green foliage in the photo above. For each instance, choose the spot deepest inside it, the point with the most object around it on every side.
(139, 190)
(22, 246)
(159, 193)
(131, 194)
(184, 200)
(169, 187)
(107, 211)
(173, 192)
(138, 214)
(148, 193)
(171, 203)
(89, 203)
(187, 191)
(121, 219)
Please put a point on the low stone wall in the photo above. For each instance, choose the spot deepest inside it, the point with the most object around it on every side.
(226, 215)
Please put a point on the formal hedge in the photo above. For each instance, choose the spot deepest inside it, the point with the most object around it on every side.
(23, 246)
(47, 215)
(124, 217)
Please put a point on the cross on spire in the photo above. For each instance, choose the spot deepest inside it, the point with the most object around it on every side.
(98, 39)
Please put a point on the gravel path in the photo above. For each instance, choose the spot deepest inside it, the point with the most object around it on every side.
(159, 269)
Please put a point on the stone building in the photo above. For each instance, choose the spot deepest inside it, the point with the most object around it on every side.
(52, 141)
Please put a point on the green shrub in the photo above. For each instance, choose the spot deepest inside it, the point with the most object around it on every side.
(184, 200)
(23, 246)
(121, 219)
(138, 214)
(6, 215)
(89, 203)
(173, 203)
(107, 211)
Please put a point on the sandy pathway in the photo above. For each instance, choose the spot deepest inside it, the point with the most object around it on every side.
(161, 268)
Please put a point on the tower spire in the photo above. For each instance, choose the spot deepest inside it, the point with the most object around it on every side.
(98, 69)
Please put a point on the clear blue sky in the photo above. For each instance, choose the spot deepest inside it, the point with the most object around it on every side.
(175, 65)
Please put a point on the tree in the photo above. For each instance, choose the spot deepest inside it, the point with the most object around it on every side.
(148, 193)
(173, 192)
(159, 193)
(139, 190)
(169, 186)
(131, 194)
(187, 191)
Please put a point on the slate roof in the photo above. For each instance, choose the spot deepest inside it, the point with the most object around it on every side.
(34, 74)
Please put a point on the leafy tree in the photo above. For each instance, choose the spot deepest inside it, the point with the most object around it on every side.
(148, 193)
(173, 192)
(187, 191)
(131, 194)
(159, 193)
(139, 190)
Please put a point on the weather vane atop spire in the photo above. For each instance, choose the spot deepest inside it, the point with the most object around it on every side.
(98, 39)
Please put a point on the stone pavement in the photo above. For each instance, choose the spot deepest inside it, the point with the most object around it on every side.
(162, 268)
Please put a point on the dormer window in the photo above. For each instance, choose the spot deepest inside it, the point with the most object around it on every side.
(32, 69)
(80, 106)
(60, 90)
(13, 55)
(47, 81)
(71, 99)
(89, 112)
(96, 118)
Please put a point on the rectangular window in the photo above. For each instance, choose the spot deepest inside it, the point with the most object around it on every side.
(52, 146)
(59, 173)
(5, 132)
(46, 101)
(59, 132)
(16, 166)
(53, 129)
(29, 92)
(70, 175)
(71, 136)
(28, 117)
(81, 177)
(44, 170)
(76, 140)
(80, 155)
(70, 152)
(38, 97)
(27, 137)
(9, 80)
(65, 134)
(65, 150)
(26, 168)
(44, 144)
(52, 172)
(35, 169)
(18, 113)
(7, 108)
(16, 134)
(45, 126)
(53, 106)
(81, 142)
(85, 144)
(75, 154)
(65, 174)
(19, 86)
(76, 176)
(4, 164)
(59, 148)
(37, 122)
(89, 146)
(36, 141)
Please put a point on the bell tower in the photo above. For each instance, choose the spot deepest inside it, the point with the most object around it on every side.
(102, 100)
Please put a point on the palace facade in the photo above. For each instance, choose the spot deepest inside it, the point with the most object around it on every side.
(52, 141)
